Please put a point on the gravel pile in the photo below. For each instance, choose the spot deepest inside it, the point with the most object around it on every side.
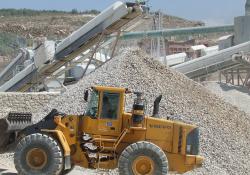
(224, 129)
(236, 95)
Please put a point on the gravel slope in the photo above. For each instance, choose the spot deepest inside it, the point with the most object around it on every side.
(236, 95)
(224, 129)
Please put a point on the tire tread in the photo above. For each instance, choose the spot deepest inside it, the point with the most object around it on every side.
(39, 138)
(137, 149)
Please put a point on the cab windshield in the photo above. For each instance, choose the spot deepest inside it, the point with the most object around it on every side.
(93, 104)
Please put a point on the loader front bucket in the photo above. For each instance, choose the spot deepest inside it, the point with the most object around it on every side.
(4, 136)
(10, 127)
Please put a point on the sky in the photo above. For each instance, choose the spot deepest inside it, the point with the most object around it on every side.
(212, 12)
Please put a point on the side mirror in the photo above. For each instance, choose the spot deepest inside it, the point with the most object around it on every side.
(86, 95)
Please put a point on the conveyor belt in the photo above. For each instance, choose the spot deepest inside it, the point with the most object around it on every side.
(220, 60)
(109, 21)
(7, 73)
(176, 32)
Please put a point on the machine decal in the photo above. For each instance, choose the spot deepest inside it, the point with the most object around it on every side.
(109, 124)
(160, 126)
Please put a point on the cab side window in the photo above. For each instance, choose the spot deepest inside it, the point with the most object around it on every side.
(110, 105)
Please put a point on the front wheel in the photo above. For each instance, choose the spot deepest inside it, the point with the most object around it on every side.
(38, 154)
(143, 158)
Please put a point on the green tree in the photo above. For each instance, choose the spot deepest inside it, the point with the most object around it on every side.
(74, 11)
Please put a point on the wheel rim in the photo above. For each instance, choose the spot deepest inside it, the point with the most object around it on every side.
(143, 165)
(36, 158)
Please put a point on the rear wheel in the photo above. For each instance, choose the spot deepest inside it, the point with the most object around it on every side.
(38, 154)
(143, 158)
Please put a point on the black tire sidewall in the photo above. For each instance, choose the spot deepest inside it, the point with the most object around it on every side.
(143, 148)
(47, 144)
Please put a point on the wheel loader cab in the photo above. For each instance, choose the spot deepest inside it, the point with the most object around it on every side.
(104, 111)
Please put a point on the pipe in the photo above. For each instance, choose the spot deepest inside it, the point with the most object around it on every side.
(175, 32)
(157, 106)
(213, 62)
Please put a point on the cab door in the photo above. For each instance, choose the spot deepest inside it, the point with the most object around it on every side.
(110, 111)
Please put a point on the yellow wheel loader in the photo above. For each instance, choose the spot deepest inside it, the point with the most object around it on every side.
(104, 137)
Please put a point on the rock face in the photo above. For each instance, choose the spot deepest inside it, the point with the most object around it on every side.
(224, 129)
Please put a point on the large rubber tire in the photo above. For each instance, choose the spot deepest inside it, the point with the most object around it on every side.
(48, 146)
(146, 150)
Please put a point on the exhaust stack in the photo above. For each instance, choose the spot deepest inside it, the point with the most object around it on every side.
(138, 109)
(157, 106)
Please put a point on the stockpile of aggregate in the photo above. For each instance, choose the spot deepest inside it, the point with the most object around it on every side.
(236, 95)
(224, 129)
